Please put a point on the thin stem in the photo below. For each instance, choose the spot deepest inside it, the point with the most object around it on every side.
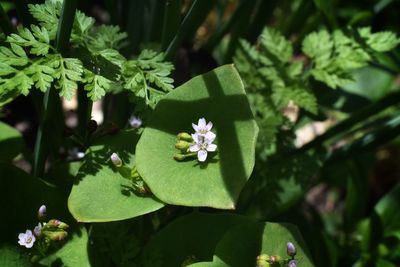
(347, 124)
(196, 15)
(84, 113)
(5, 22)
(172, 19)
(62, 40)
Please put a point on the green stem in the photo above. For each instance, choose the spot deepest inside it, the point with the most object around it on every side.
(172, 19)
(5, 22)
(381, 136)
(84, 113)
(347, 124)
(239, 27)
(194, 18)
(62, 40)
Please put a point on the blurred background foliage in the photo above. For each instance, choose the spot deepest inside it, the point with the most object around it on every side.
(333, 171)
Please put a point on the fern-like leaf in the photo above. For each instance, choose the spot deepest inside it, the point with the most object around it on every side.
(37, 39)
(68, 72)
(96, 85)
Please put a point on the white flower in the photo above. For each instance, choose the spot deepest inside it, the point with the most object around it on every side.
(27, 240)
(116, 160)
(202, 145)
(135, 122)
(203, 128)
(38, 230)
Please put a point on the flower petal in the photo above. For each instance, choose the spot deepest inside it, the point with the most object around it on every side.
(210, 137)
(195, 137)
(202, 155)
(202, 123)
(209, 125)
(194, 148)
(211, 147)
(195, 127)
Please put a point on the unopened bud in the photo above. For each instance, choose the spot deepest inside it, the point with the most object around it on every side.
(291, 249)
(185, 137)
(292, 263)
(179, 157)
(274, 259)
(262, 260)
(42, 212)
(56, 235)
(135, 122)
(54, 223)
(182, 145)
(116, 160)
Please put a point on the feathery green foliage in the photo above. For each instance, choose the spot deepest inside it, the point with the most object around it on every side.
(273, 76)
(30, 60)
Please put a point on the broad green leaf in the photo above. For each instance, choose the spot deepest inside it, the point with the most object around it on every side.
(11, 142)
(180, 240)
(20, 197)
(11, 256)
(101, 193)
(219, 97)
(73, 253)
(256, 239)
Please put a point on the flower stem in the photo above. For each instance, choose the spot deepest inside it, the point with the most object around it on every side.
(62, 40)
(347, 124)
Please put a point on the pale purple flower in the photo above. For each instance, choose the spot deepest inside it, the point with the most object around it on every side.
(202, 145)
(203, 128)
(38, 230)
(290, 249)
(116, 160)
(26, 239)
(42, 212)
(135, 122)
(292, 263)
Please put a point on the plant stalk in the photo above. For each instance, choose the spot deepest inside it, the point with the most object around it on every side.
(62, 40)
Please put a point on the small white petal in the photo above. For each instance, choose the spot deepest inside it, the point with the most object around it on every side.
(202, 155)
(209, 125)
(210, 137)
(202, 123)
(211, 147)
(195, 137)
(195, 127)
(194, 148)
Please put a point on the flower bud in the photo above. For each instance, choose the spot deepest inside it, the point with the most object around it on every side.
(54, 223)
(292, 263)
(262, 260)
(135, 122)
(116, 160)
(185, 137)
(291, 249)
(179, 157)
(182, 145)
(274, 259)
(56, 235)
(42, 212)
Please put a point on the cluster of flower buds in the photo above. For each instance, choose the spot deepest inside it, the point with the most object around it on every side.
(265, 260)
(197, 144)
(44, 235)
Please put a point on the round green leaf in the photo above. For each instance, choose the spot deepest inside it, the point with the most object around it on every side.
(73, 253)
(11, 256)
(218, 96)
(101, 193)
(256, 239)
(11, 142)
(195, 235)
